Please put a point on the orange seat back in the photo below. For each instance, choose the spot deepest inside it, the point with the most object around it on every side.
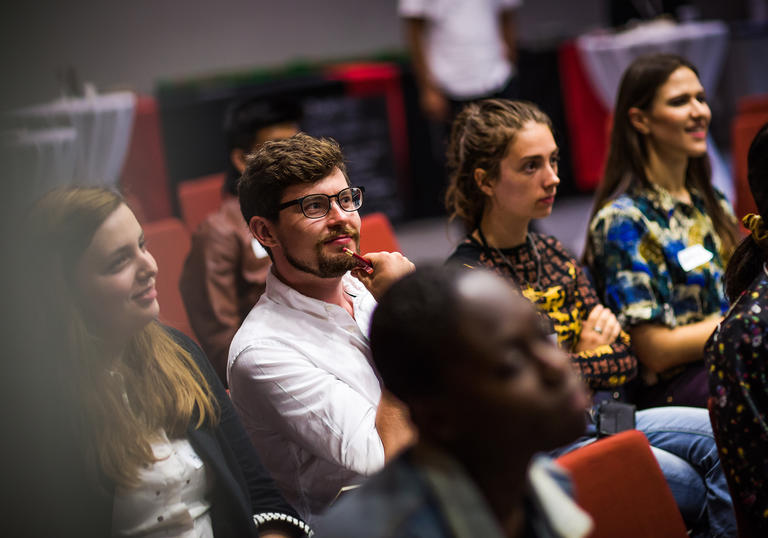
(200, 197)
(752, 115)
(169, 241)
(376, 234)
(618, 482)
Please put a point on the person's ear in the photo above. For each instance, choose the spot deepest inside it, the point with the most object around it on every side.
(639, 120)
(263, 230)
(237, 156)
(483, 181)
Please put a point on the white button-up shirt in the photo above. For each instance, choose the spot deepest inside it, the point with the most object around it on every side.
(301, 377)
(171, 498)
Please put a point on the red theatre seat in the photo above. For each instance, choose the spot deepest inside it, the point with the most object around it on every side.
(752, 114)
(618, 481)
(199, 197)
(168, 241)
(376, 234)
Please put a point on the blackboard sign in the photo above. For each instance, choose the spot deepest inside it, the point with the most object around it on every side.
(360, 125)
(192, 119)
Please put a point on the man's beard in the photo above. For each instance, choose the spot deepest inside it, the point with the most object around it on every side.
(332, 266)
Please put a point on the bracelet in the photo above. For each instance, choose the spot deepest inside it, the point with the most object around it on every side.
(261, 519)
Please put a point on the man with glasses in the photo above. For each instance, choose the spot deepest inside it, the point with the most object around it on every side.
(299, 368)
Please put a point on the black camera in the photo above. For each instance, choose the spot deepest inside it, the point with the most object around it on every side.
(614, 417)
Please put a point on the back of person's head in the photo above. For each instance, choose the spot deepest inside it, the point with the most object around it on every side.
(279, 164)
(480, 137)
(625, 165)
(164, 386)
(748, 258)
(471, 359)
(414, 331)
(243, 123)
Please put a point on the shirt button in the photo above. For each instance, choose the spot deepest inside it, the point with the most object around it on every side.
(159, 518)
(187, 481)
(157, 493)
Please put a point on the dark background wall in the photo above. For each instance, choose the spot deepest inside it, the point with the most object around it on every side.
(138, 43)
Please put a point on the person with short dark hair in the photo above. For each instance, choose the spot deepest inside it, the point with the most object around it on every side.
(226, 268)
(487, 390)
(737, 359)
(299, 367)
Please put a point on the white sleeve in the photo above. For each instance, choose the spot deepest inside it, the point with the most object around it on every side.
(413, 8)
(275, 383)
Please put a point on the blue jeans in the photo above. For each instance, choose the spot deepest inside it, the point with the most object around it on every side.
(682, 441)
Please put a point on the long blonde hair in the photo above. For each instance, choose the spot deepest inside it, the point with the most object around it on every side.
(121, 403)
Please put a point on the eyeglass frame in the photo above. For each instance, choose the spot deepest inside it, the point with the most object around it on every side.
(300, 202)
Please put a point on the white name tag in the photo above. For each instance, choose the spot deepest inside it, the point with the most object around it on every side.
(693, 257)
(258, 249)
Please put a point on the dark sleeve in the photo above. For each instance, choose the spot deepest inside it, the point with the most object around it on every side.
(208, 287)
(266, 499)
(607, 366)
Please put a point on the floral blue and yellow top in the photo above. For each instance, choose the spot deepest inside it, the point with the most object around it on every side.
(737, 360)
(657, 259)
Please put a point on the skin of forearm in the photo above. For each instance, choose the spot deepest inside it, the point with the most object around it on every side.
(414, 32)
(393, 425)
(509, 33)
(660, 348)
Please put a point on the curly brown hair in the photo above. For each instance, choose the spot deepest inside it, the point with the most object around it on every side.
(480, 137)
(278, 164)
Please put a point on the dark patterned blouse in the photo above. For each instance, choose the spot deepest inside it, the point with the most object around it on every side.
(737, 359)
(564, 293)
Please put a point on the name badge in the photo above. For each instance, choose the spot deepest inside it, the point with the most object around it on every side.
(693, 257)
(258, 249)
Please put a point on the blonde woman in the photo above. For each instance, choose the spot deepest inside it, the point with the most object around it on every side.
(162, 449)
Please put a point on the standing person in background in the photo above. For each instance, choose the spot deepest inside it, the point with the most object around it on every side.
(162, 452)
(226, 268)
(461, 50)
(504, 162)
(660, 234)
(737, 360)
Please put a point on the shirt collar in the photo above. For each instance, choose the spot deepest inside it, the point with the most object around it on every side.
(662, 199)
(282, 293)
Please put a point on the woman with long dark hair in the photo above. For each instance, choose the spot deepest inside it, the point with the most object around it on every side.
(660, 234)
(162, 451)
(737, 359)
(504, 173)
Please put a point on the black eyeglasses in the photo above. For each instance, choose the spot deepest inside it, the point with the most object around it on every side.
(316, 206)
